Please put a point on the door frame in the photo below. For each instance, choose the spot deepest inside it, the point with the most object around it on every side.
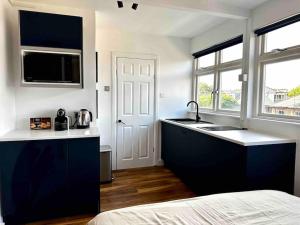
(115, 56)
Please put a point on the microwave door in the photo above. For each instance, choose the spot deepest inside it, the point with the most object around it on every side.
(49, 67)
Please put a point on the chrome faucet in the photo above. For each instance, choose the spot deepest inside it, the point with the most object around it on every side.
(197, 113)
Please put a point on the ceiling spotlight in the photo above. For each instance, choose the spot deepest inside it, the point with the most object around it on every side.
(120, 4)
(135, 6)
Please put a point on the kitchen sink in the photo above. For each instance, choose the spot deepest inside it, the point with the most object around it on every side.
(221, 128)
(188, 121)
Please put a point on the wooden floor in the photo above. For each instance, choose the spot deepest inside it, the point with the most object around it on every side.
(133, 187)
(142, 186)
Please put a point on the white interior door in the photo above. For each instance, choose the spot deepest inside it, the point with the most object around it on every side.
(135, 112)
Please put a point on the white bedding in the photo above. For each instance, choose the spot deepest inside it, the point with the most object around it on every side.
(241, 208)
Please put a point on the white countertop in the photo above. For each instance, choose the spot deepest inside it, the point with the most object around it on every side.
(24, 135)
(241, 137)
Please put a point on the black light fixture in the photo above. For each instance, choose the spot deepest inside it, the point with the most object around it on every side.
(135, 6)
(120, 4)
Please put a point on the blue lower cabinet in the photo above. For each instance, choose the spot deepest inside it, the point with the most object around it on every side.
(38, 179)
(84, 158)
(271, 167)
(212, 165)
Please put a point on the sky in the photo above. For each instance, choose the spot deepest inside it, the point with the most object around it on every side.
(283, 75)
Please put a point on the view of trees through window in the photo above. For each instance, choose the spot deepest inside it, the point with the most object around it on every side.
(230, 94)
(205, 89)
(230, 90)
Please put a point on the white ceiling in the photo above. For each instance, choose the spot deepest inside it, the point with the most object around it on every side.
(156, 20)
(247, 4)
(151, 19)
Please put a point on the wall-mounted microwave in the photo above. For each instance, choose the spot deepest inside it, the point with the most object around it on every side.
(50, 67)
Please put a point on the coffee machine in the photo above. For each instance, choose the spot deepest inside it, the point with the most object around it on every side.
(61, 121)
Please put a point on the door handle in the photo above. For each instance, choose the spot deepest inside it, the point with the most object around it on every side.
(120, 121)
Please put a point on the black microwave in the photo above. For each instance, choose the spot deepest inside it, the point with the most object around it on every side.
(58, 68)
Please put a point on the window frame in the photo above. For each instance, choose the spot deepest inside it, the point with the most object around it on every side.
(198, 68)
(219, 109)
(217, 69)
(197, 93)
(263, 58)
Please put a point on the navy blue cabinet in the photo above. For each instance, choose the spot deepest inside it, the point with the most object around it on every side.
(45, 179)
(212, 165)
(50, 30)
(84, 167)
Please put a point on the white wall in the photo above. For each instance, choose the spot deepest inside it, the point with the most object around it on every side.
(268, 13)
(274, 10)
(7, 73)
(36, 102)
(174, 76)
(224, 32)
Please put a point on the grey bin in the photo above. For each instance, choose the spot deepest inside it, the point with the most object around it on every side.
(105, 164)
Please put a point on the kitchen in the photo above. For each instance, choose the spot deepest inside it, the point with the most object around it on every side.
(163, 52)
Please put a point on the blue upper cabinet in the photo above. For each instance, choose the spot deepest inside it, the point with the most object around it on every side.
(50, 30)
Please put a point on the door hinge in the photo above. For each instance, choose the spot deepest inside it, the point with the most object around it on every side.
(153, 149)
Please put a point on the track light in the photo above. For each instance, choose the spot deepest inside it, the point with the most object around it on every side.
(135, 6)
(120, 4)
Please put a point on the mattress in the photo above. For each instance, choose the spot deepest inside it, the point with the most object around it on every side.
(253, 207)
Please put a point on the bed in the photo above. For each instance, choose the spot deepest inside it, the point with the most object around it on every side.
(254, 207)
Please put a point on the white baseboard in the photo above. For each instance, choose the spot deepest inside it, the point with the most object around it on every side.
(160, 162)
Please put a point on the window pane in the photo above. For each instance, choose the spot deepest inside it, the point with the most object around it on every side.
(282, 88)
(232, 53)
(230, 90)
(206, 61)
(205, 88)
(284, 37)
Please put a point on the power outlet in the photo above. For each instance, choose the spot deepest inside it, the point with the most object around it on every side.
(243, 77)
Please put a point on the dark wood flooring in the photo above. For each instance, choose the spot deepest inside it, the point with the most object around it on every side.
(142, 186)
(133, 187)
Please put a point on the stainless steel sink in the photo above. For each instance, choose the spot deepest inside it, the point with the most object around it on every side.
(188, 121)
(221, 128)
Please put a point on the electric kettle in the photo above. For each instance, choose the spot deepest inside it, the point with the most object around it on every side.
(84, 118)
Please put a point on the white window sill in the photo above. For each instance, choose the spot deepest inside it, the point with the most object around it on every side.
(235, 116)
(277, 120)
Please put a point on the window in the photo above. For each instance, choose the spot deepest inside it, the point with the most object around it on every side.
(217, 77)
(281, 87)
(279, 63)
(230, 90)
(232, 53)
(286, 35)
(205, 90)
(206, 61)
